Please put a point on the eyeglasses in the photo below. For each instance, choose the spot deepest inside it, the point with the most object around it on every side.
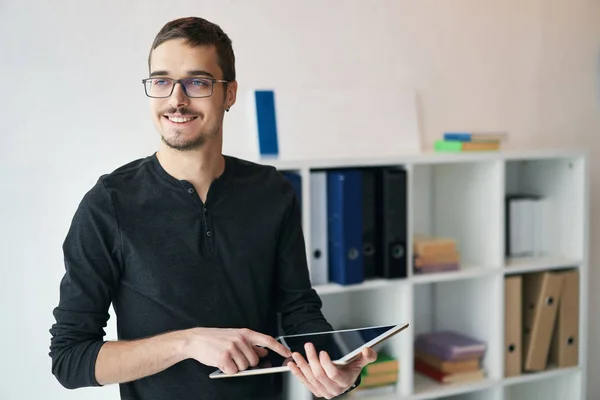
(192, 87)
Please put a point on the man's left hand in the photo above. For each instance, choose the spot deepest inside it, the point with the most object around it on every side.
(322, 377)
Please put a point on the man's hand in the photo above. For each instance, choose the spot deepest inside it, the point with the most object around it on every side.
(230, 350)
(322, 377)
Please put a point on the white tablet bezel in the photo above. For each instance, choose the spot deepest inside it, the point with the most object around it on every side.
(342, 361)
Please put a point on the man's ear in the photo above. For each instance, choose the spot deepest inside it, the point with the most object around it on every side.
(231, 94)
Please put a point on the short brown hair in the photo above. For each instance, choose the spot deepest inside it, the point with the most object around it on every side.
(199, 32)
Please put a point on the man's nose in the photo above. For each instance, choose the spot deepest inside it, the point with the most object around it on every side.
(178, 97)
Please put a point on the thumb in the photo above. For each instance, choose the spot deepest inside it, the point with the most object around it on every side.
(368, 355)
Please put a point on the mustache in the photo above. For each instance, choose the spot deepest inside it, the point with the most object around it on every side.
(182, 111)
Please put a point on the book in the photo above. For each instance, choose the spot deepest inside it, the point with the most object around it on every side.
(458, 146)
(523, 225)
(443, 377)
(428, 269)
(378, 379)
(475, 136)
(422, 260)
(450, 345)
(448, 367)
(434, 246)
(384, 364)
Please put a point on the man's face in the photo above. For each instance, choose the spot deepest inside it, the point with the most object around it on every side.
(186, 123)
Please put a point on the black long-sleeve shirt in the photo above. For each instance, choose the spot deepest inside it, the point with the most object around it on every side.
(145, 242)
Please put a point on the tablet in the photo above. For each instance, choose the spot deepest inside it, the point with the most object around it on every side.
(343, 346)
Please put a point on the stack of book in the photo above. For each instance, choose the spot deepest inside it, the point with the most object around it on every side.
(435, 254)
(469, 141)
(449, 357)
(379, 377)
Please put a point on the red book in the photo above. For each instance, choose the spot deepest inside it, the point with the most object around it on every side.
(439, 376)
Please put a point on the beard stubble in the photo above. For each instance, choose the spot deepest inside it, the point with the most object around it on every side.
(206, 132)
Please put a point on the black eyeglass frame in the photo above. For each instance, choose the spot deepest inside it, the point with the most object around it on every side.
(181, 82)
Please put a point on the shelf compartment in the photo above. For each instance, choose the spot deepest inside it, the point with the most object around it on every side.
(555, 222)
(384, 306)
(463, 202)
(462, 306)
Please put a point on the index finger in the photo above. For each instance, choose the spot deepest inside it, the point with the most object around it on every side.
(269, 342)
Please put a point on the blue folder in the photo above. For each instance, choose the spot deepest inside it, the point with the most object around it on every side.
(345, 226)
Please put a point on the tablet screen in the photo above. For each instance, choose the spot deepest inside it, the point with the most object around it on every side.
(337, 344)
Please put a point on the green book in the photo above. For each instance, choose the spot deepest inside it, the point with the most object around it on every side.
(378, 365)
(448, 145)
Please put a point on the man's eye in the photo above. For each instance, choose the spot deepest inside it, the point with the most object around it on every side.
(199, 82)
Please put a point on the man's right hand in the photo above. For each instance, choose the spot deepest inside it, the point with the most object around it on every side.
(230, 350)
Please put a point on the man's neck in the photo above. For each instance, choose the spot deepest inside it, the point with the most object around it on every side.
(199, 167)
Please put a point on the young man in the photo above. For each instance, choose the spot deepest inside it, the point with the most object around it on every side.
(197, 251)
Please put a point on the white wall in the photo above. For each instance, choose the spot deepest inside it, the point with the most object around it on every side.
(72, 108)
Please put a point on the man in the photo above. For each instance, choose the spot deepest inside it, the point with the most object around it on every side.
(197, 251)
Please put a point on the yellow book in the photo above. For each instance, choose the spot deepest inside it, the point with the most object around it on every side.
(378, 379)
(448, 367)
(436, 258)
(423, 244)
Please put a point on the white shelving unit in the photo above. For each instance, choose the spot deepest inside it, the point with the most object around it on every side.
(462, 195)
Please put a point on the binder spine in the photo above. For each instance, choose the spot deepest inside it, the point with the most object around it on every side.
(345, 228)
(394, 222)
(372, 250)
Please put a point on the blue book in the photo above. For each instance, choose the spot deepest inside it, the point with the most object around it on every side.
(484, 136)
(458, 136)
(345, 226)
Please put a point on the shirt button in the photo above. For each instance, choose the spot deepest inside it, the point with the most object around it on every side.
(208, 233)
(205, 210)
(191, 190)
